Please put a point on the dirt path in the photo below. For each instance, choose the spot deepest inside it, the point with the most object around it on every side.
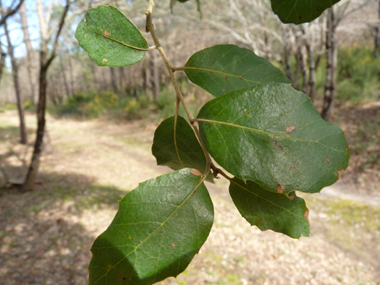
(45, 236)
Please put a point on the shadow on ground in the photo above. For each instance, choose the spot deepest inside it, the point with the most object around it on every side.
(46, 235)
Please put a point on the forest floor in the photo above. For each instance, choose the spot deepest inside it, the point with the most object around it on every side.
(46, 235)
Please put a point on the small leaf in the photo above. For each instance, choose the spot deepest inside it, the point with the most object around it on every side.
(178, 147)
(158, 229)
(222, 69)
(110, 38)
(272, 134)
(298, 12)
(270, 211)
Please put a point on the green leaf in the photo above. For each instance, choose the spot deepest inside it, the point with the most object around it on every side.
(270, 211)
(110, 38)
(222, 69)
(272, 134)
(178, 147)
(158, 229)
(298, 12)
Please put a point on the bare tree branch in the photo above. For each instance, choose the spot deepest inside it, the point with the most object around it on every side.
(9, 12)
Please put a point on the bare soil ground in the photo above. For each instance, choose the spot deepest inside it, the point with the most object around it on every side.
(46, 235)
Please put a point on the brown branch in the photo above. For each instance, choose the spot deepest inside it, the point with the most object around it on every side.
(61, 23)
(10, 12)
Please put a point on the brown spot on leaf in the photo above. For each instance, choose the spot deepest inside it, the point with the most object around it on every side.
(300, 17)
(195, 172)
(85, 36)
(106, 33)
(306, 214)
(224, 90)
(85, 19)
(280, 188)
(173, 244)
(290, 129)
(263, 78)
(277, 144)
(260, 221)
(226, 77)
(291, 197)
(319, 9)
(346, 148)
(195, 191)
(240, 78)
(327, 159)
(293, 167)
(105, 60)
(122, 277)
(340, 172)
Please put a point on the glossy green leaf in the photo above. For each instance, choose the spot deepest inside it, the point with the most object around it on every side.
(178, 147)
(110, 38)
(270, 211)
(222, 69)
(300, 11)
(273, 135)
(158, 229)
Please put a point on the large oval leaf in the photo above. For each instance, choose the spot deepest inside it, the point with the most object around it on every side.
(158, 229)
(110, 38)
(270, 211)
(298, 12)
(222, 69)
(176, 146)
(273, 135)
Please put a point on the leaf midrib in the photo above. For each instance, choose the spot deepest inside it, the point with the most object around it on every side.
(162, 224)
(266, 133)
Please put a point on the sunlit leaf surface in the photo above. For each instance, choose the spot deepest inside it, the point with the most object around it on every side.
(273, 135)
(158, 229)
(110, 38)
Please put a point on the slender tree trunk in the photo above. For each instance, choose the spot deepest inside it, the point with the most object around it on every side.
(301, 66)
(31, 65)
(71, 75)
(377, 30)
(155, 79)
(20, 103)
(35, 162)
(121, 77)
(113, 80)
(45, 62)
(64, 77)
(310, 90)
(2, 62)
(331, 54)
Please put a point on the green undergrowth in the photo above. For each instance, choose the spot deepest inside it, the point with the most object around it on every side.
(89, 105)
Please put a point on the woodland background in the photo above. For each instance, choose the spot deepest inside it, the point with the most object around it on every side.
(100, 127)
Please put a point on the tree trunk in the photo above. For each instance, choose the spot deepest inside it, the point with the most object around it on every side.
(45, 62)
(31, 66)
(64, 77)
(35, 162)
(331, 54)
(71, 75)
(113, 80)
(155, 79)
(301, 66)
(310, 90)
(377, 32)
(20, 103)
(2, 62)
